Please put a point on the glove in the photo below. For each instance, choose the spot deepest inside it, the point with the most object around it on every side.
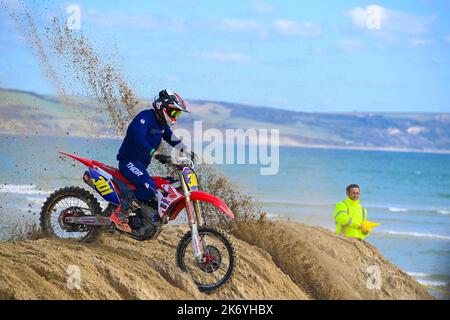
(194, 157)
(363, 230)
(163, 158)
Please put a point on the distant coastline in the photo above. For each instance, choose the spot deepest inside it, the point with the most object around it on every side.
(289, 145)
(23, 113)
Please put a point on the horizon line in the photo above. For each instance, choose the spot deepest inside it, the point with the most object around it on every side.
(44, 95)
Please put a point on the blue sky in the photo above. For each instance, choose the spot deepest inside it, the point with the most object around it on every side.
(332, 56)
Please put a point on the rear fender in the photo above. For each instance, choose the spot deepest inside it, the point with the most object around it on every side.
(86, 162)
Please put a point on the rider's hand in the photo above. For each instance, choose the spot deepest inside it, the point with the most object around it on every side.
(363, 230)
(194, 157)
(163, 158)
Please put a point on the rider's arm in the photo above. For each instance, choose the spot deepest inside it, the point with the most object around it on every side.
(140, 129)
(172, 139)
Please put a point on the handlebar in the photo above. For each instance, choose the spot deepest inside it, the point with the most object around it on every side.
(185, 162)
(175, 162)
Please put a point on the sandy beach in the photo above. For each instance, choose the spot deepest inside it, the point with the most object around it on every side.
(276, 260)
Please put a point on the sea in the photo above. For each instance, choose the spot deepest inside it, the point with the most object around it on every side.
(407, 192)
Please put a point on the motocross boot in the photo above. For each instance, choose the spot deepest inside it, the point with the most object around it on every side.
(159, 195)
(120, 216)
(150, 209)
(120, 219)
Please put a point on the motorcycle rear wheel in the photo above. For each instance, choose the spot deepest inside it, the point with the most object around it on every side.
(66, 201)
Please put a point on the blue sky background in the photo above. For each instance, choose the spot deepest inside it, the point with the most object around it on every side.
(330, 56)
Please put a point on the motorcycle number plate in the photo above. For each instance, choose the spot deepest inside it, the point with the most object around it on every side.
(191, 178)
(103, 185)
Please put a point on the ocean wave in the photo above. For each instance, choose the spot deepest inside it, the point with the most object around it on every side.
(392, 209)
(22, 189)
(291, 202)
(427, 211)
(418, 274)
(417, 235)
(429, 279)
(400, 209)
(432, 283)
(396, 209)
(424, 278)
(35, 199)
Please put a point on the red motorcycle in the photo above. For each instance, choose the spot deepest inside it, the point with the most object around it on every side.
(74, 213)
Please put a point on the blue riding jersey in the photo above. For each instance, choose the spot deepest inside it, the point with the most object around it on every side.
(144, 135)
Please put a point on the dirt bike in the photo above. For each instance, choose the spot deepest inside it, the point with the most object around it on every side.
(75, 213)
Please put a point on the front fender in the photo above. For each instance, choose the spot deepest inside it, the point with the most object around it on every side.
(202, 196)
(216, 202)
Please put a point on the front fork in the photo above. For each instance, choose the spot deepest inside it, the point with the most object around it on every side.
(194, 218)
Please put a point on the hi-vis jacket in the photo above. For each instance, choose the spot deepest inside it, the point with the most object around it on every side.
(348, 216)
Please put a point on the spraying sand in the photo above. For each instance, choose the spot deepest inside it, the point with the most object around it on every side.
(73, 66)
(276, 260)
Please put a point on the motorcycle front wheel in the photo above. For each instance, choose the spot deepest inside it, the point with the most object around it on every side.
(218, 258)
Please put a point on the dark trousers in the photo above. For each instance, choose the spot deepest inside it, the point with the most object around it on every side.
(137, 174)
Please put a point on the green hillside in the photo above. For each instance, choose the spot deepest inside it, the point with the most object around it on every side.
(29, 113)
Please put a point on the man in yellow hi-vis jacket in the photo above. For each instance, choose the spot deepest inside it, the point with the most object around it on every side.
(349, 214)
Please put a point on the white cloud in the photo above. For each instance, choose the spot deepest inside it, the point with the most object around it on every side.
(293, 28)
(376, 17)
(318, 51)
(417, 42)
(221, 56)
(108, 19)
(260, 6)
(349, 45)
(283, 27)
(245, 26)
(242, 25)
(406, 23)
(371, 17)
(137, 20)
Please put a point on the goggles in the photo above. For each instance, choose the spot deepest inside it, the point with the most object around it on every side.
(174, 113)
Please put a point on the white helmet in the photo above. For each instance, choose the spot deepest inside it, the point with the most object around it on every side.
(169, 106)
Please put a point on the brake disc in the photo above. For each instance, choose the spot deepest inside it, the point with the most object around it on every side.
(70, 212)
(212, 259)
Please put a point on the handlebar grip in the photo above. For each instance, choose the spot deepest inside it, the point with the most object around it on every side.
(164, 159)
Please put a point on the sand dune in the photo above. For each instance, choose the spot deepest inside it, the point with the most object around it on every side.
(329, 266)
(276, 260)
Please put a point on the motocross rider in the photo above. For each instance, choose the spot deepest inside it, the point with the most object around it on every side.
(143, 137)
